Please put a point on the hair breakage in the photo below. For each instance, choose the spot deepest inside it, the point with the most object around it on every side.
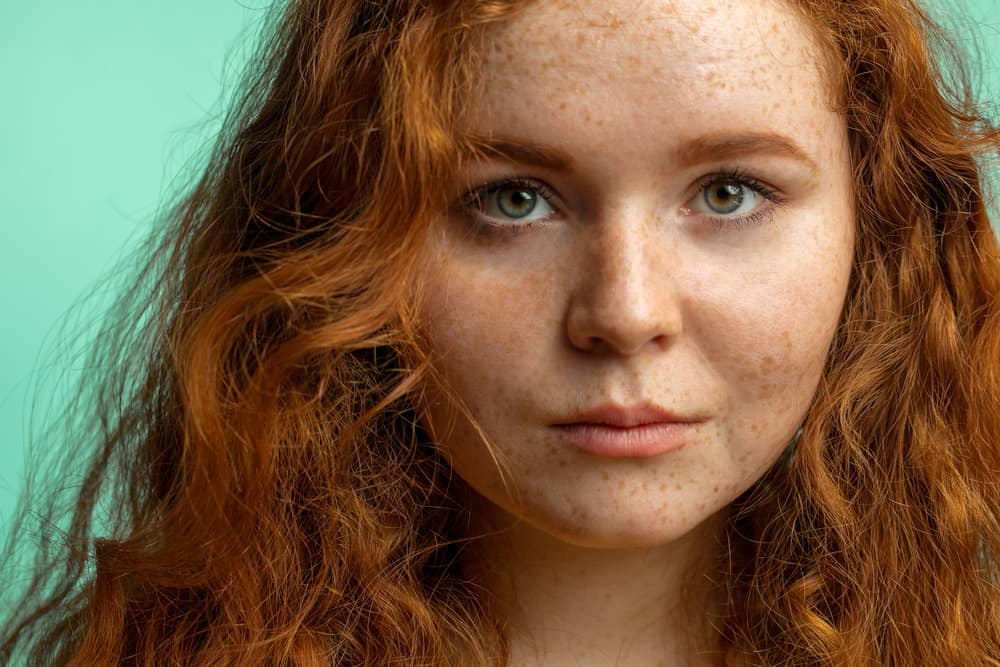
(271, 498)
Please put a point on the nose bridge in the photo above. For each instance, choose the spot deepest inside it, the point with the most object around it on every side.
(627, 297)
(619, 259)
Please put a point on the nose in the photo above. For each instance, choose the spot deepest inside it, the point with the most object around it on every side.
(627, 297)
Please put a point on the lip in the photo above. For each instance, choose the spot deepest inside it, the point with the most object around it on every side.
(617, 431)
(613, 414)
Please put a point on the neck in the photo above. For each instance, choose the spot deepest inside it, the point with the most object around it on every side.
(571, 604)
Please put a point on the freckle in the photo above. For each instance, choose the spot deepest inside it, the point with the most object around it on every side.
(604, 475)
(562, 106)
(621, 484)
(677, 486)
(715, 488)
(663, 487)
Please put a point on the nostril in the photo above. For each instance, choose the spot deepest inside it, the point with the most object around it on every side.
(625, 329)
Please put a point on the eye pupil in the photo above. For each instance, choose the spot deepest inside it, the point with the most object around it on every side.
(724, 196)
(516, 202)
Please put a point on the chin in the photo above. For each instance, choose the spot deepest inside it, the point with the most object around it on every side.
(637, 530)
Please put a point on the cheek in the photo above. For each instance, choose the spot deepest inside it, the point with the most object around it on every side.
(475, 343)
(768, 341)
(485, 319)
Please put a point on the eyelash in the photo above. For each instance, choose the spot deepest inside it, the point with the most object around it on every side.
(480, 193)
(740, 177)
(735, 175)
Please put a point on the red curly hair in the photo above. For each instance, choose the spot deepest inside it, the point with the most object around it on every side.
(255, 469)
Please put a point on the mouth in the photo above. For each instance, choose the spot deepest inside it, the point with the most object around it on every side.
(617, 431)
(625, 416)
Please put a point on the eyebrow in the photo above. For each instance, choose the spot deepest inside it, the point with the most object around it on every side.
(721, 146)
(522, 151)
(708, 148)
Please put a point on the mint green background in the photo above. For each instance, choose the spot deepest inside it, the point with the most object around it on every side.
(102, 104)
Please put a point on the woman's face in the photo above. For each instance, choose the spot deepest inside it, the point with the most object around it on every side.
(678, 234)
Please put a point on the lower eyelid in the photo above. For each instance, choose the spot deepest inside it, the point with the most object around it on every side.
(757, 218)
(487, 229)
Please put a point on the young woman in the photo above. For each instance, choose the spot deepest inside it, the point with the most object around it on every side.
(551, 333)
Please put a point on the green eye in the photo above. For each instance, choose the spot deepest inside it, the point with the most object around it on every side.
(512, 202)
(724, 196)
(516, 202)
(734, 199)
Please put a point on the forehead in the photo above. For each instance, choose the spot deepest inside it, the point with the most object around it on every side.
(627, 63)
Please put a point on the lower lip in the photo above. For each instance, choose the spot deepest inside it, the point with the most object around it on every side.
(628, 442)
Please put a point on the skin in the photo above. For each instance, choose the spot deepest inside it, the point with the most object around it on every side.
(631, 286)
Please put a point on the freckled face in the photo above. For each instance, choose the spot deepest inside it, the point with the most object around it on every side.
(691, 251)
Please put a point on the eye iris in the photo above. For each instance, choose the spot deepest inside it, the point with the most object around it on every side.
(516, 202)
(724, 196)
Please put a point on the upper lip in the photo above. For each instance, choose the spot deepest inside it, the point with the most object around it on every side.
(625, 416)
